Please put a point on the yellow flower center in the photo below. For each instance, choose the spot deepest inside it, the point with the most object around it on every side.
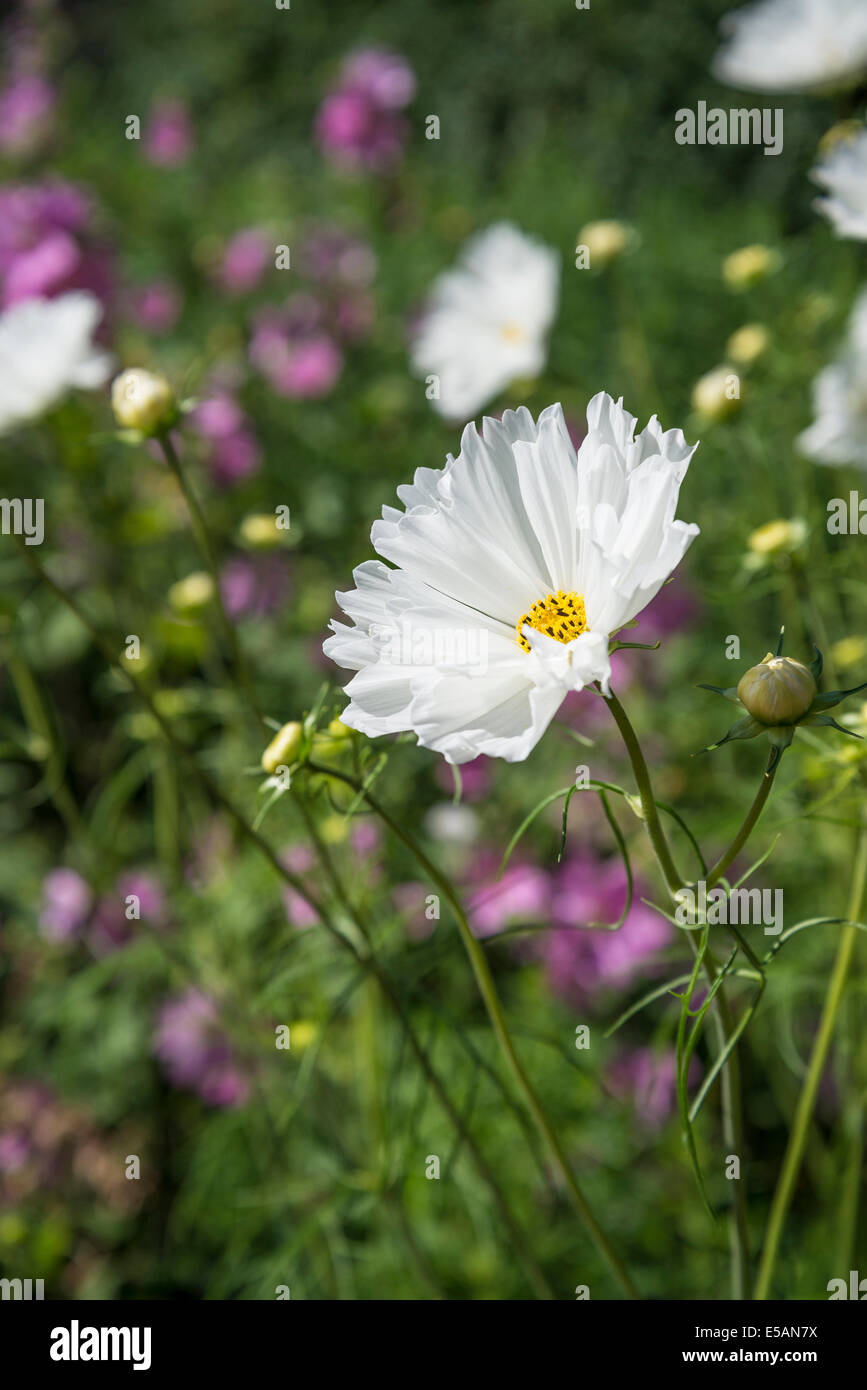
(512, 333)
(561, 616)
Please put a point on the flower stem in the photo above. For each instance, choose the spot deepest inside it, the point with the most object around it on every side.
(490, 998)
(730, 1080)
(673, 879)
(807, 1099)
(369, 961)
(203, 540)
(750, 819)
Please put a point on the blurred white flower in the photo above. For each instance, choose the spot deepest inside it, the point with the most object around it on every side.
(838, 433)
(46, 347)
(486, 321)
(516, 563)
(793, 45)
(842, 173)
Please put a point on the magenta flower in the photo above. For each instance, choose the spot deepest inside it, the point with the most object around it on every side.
(475, 778)
(520, 897)
(195, 1051)
(649, 1079)
(358, 125)
(244, 260)
(137, 897)
(301, 860)
(46, 245)
(66, 904)
(26, 109)
(156, 307)
(234, 452)
(169, 139)
(579, 962)
(296, 358)
(254, 585)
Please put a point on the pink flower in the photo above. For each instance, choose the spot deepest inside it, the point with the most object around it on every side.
(244, 260)
(297, 361)
(66, 904)
(358, 125)
(26, 108)
(234, 450)
(580, 961)
(195, 1051)
(475, 778)
(169, 139)
(46, 247)
(649, 1079)
(157, 306)
(521, 896)
(300, 859)
(254, 585)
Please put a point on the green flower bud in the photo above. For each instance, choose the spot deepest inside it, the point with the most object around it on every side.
(777, 691)
(283, 748)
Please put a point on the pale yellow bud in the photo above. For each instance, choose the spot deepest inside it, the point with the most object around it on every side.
(747, 344)
(142, 400)
(849, 651)
(777, 691)
(302, 1034)
(284, 747)
(775, 537)
(749, 265)
(192, 593)
(717, 394)
(260, 532)
(605, 241)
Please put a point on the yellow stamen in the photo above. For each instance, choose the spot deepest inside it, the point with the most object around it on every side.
(512, 333)
(561, 616)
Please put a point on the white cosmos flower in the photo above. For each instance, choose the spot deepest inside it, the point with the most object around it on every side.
(842, 172)
(515, 564)
(838, 433)
(46, 347)
(793, 45)
(486, 321)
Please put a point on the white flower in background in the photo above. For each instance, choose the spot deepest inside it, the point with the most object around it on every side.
(793, 45)
(486, 322)
(515, 564)
(842, 173)
(46, 347)
(839, 432)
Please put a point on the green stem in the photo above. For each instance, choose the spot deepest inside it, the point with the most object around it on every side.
(203, 540)
(673, 879)
(807, 1099)
(750, 819)
(731, 1103)
(367, 962)
(490, 998)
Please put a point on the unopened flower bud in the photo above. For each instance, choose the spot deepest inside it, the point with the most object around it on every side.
(777, 537)
(777, 691)
(748, 265)
(193, 593)
(605, 241)
(142, 400)
(260, 532)
(283, 748)
(717, 394)
(747, 344)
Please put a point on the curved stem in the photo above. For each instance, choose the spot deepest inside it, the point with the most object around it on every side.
(750, 819)
(490, 998)
(368, 962)
(807, 1099)
(673, 879)
(203, 540)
